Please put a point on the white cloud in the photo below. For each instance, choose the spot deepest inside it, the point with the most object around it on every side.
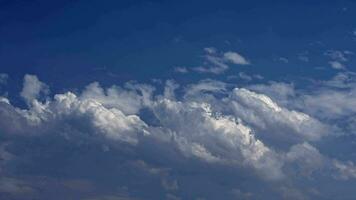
(245, 76)
(347, 170)
(211, 129)
(4, 100)
(337, 55)
(337, 58)
(264, 113)
(210, 50)
(169, 89)
(217, 63)
(182, 70)
(278, 91)
(112, 122)
(307, 157)
(283, 59)
(201, 133)
(235, 58)
(128, 101)
(3, 78)
(337, 65)
(32, 88)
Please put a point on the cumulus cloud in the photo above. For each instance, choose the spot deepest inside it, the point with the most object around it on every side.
(264, 113)
(136, 138)
(127, 100)
(32, 87)
(215, 138)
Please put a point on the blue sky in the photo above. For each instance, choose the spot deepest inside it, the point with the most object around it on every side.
(177, 99)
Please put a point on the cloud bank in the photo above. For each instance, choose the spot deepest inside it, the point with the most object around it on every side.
(214, 141)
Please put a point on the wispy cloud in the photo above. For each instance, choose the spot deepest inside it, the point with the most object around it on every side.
(338, 58)
(182, 70)
(217, 63)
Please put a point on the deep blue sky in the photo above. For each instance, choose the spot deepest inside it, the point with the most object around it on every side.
(140, 40)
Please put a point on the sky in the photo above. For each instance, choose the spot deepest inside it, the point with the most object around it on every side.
(177, 100)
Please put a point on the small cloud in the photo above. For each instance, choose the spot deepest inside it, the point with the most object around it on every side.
(181, 70)
(338, 58)
(217, 63)
(304, 56)
(336, 65)
(257, 76)
(3, 78)
(235, 58)
(337, 55)
(32, 87)
(210, 50)
(283, 59)
(245, 76)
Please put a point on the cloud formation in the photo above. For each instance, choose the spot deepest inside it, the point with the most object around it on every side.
(172, 144)
(218, 63)
(32, 88)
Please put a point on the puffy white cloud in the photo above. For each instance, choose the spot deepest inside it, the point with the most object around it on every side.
(128, 101)
(278, 91)
(306, 157)
(209, 129)
(169, 89)
(213, 137)
(32, 87)
(332, 99)
(261, 111)
(4, 100)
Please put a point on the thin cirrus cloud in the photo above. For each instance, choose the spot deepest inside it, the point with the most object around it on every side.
(214, 127)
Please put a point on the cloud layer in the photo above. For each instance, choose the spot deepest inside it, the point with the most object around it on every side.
(201, 144)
